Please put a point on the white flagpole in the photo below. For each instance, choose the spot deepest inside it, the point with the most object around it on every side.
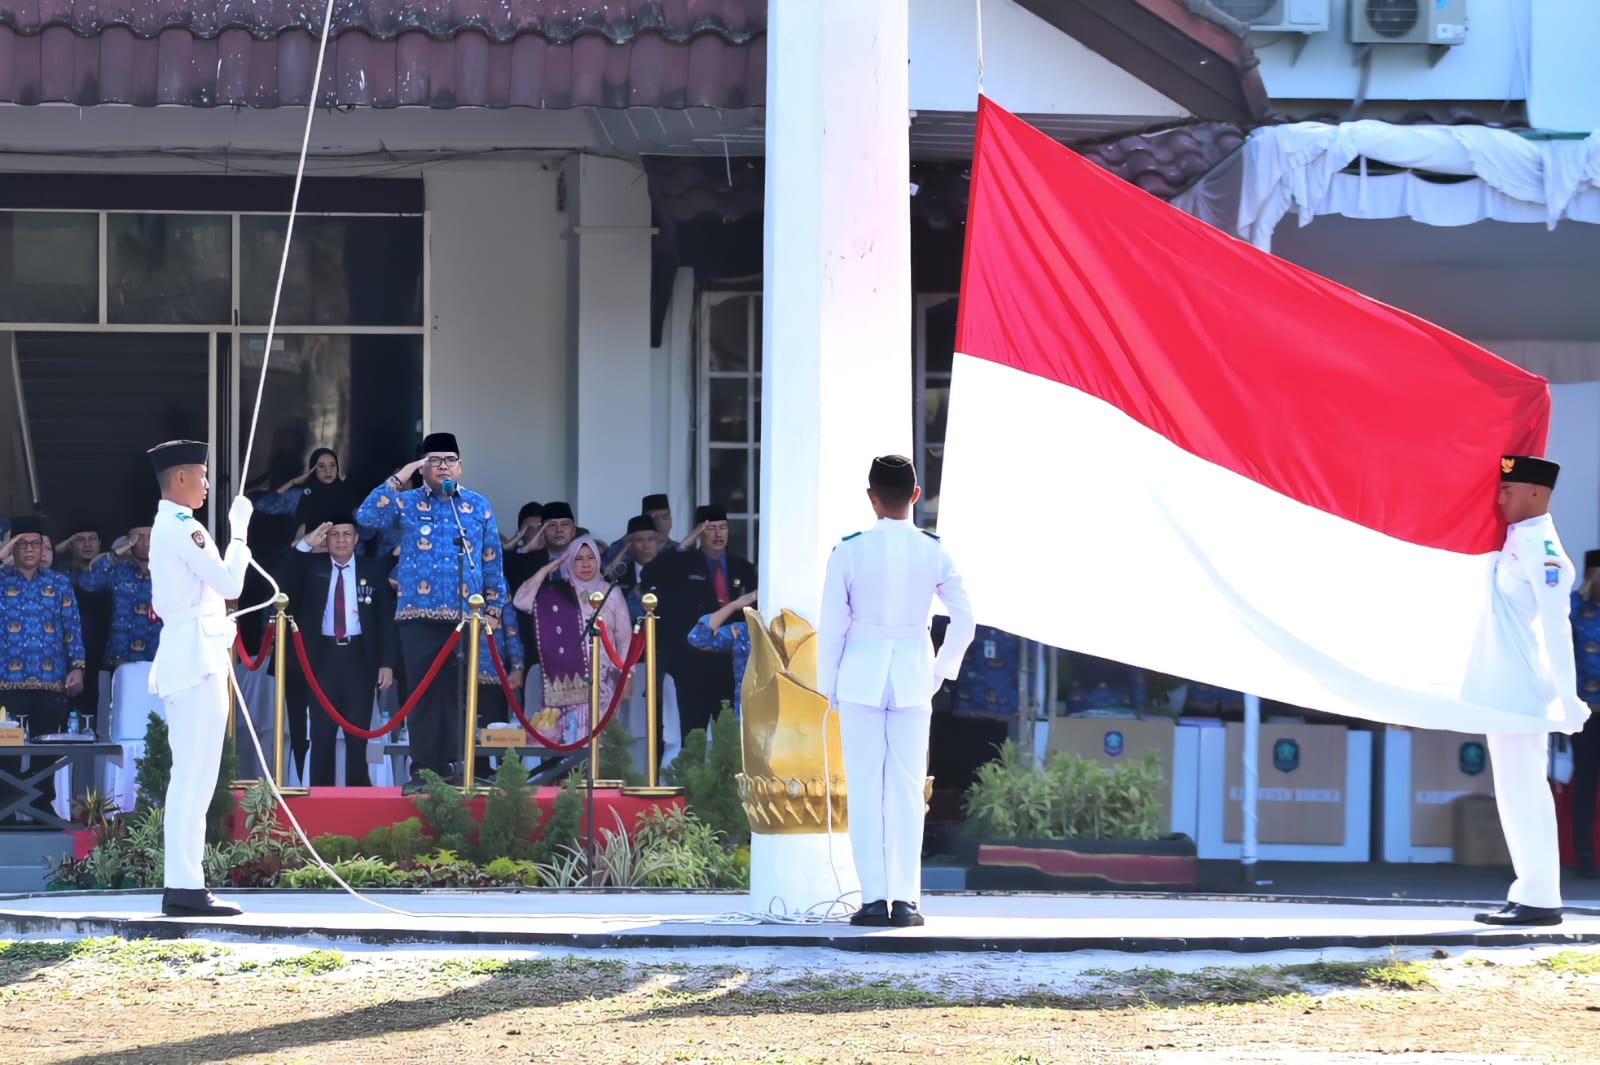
(1252, 749)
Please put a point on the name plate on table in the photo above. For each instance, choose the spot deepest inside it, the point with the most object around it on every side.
(10, 735)
(502, 737)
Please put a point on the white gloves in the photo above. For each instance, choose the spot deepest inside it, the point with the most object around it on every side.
(239, 517)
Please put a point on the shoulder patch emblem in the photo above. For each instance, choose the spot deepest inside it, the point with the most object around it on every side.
(852, 536)
(198, 537)
(185, 517)
(929, 535)
(1552, 574)
(305, 492)
(1550, 550)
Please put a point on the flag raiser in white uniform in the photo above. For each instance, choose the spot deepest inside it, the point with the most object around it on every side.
(876, 665)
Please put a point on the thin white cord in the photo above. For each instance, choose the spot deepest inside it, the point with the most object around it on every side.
(288, 235)
(978, 5)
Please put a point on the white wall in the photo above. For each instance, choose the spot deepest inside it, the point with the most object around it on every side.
(1574, 442)
(1491, 65)
(497, 371)
(1563, 92)
(1029, 65)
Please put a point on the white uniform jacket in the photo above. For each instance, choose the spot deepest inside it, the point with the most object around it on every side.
(877, 599)
(190, 583)
(1524, 661)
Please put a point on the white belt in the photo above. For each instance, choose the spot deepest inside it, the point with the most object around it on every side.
(888, 632)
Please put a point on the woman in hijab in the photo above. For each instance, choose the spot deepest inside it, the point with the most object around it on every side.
(326, 496)
(558, 598)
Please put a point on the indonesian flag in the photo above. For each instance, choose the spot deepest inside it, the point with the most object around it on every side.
(1219, 465)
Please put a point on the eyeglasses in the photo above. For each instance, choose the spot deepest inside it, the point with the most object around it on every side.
(435, 461)
(30, 541)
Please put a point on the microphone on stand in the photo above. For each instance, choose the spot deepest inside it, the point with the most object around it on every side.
(448, 488)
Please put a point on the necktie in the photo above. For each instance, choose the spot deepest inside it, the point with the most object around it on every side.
(338, 602)
(719, 583)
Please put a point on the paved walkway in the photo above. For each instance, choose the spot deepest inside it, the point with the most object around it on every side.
(641, 919)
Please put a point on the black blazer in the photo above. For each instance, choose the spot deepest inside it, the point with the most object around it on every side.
(307, 579)
(682, 581)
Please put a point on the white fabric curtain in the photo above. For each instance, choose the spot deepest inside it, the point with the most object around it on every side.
(1298, 169)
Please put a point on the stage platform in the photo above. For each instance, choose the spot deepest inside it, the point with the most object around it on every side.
(989, 923)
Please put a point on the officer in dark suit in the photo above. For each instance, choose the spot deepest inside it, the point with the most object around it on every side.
(345, 611)
(691, 583)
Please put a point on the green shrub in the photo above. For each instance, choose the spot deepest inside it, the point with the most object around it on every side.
(689, 853)
(444, 808)
(154, 766)
(510, 815)
(707, 777)
(616, 755)
(1069, 798)
(560, 831)
(219, 815)
(334, 848)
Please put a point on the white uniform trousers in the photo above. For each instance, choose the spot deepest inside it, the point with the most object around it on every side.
(197, 718)
(1528, 816)
(885, 767)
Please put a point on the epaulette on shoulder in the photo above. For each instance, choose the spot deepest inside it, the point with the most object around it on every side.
(847, 539)
(929, 535)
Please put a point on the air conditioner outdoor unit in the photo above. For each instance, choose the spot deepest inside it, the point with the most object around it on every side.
(1278, 16)
(1438, 22)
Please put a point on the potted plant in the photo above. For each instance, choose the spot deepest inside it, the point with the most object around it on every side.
(1070, 824)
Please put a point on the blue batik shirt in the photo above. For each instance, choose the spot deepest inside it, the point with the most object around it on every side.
(987, 685)
(283, 504)
(41, 640)
(429, 568)
(1586, 646)
(735, 638)
(133, 636)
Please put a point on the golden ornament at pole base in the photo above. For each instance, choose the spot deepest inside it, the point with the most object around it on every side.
(793, 781)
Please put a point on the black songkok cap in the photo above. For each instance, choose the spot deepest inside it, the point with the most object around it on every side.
(82, 523)
(558, 512)
(892, 472)
(645, 523)
(341, 517)
(709, 512)
(529, 510)
(178, 453)
(442, 442)
(27, 525)
(1591, 559)
(657, 501)
(1525, 469)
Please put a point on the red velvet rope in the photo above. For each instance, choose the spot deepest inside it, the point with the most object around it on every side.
(253, 664)
(516, 707)
(399, 716)
(611, 652)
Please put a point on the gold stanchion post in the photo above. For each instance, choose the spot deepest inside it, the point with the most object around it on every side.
(652, 788)
(474, 627)
(280, 673)
(596, 652)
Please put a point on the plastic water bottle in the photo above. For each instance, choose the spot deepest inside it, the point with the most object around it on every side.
(74, 725)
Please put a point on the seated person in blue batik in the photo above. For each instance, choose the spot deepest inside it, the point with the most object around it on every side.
(718, 633)
(1102, 684)
(1586, 744)
(988, 683)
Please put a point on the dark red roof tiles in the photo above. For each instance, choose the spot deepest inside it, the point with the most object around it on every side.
(386, 53)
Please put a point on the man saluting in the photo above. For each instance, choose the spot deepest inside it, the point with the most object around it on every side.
(875, 664)
(190, 583)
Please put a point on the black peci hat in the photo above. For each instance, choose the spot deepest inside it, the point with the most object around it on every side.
(655, 501)
(641, 523)
(178, 453)
(1526, 469)
(709, 512)
(558, 512)
(442, 442)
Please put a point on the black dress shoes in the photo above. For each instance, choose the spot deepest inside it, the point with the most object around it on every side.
(195, 902)
(905, 915)
(872, 915)
(1515, 913)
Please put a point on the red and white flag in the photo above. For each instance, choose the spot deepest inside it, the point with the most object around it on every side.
(1170, 449)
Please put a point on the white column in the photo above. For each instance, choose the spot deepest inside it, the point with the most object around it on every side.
(609, 443)
(836, 379)
(836, 383)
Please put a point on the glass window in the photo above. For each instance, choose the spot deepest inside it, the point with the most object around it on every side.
(49, 267)
(730, 435)
(169, 268)
(95, 402)
(359, 395)
(342, 271)
(936, 340)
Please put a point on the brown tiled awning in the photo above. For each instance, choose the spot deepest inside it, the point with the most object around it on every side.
(674, 54)
(385, 53)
